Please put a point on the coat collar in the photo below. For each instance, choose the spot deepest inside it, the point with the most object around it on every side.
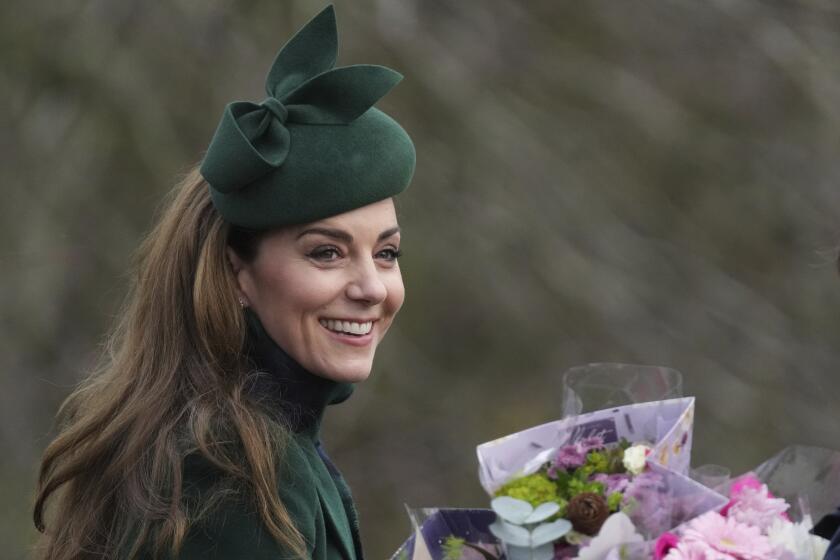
(287, 387)
(337, 522)
(342, 533)
(300, 398)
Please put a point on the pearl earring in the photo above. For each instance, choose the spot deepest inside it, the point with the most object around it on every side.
(241, 302)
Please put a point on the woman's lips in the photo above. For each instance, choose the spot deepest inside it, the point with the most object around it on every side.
(352, 339)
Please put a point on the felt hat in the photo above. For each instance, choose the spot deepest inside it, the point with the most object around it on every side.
(316, 146)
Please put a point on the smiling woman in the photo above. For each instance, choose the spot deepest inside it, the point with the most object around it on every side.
(259, 298)
(327, 291)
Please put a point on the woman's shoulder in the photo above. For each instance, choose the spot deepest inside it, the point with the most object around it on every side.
(229, 524)
(293, 469)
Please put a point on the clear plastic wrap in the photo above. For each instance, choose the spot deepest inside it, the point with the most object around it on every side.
(808, 478)
(601, 386)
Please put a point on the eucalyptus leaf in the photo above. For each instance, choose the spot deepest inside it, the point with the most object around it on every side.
(543, 512)
(518, 553)
(543, 552)
(512, 509)
(550, 532)
(511, 534)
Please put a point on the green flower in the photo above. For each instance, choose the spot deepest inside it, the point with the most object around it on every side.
(579, 484)
(535, 489)
(614, 500)
(453, 547)
(597, 462)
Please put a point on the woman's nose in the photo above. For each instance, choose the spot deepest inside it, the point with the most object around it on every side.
(366, 284)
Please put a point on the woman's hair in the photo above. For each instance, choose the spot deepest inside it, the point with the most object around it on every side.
(172, 380)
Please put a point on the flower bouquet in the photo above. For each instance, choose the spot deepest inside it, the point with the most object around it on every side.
(618, 477)
(754, 525)
(580, 485)
(769, 515)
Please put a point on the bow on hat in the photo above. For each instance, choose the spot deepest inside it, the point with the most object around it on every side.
(303, 88)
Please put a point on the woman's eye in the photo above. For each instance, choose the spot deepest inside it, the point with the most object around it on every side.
(390, 254)
(325, 254)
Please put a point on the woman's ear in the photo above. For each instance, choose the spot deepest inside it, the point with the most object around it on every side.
(234, 260)
(237, 265)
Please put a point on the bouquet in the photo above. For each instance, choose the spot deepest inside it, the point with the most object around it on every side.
(769, 514)
(579, 484)
(616, 476)
(754, 525)
(614, 485)
(579, 488)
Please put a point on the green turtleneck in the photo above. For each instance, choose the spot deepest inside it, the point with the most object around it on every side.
(310, 487)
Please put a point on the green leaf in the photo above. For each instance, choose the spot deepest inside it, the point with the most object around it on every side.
(614, 501)
(510, 534)
(550, 532)
(543, 512)
(512, 509)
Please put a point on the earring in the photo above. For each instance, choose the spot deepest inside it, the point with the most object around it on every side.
(241, 303)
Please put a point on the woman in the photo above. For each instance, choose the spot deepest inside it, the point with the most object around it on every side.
(259, 299)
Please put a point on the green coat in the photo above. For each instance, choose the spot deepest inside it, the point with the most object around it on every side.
(310, 487)
(315, 495)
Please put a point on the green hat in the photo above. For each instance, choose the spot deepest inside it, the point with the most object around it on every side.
(315, 147)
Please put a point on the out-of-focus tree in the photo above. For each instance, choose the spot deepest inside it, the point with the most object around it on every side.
(643, 182)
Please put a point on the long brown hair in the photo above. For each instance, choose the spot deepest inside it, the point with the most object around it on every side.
(171, 381)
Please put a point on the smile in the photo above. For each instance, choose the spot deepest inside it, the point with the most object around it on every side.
(347, 327)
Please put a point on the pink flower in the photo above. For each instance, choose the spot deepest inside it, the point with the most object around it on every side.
(728, 536)
(664, 543)
(568, 457)
(573, 455)
(612, 482)
(751, 502)
(694, 550)
(748, 480)
(758, 508)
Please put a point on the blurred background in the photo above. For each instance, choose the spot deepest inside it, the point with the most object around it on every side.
(637, 182)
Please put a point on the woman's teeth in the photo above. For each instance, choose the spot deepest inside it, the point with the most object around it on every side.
(347, 327)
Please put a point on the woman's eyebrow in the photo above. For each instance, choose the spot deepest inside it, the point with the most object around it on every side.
(329, 232)
(389, 232)
(343, 235)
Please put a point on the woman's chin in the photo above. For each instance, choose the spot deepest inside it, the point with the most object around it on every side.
(348, 377)
(346, 373)
(355, 378)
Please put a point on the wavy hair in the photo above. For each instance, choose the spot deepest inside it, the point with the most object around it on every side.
(172, 380)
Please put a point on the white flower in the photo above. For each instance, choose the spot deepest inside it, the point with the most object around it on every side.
(634, 458)
(796, 539)
(616, 530)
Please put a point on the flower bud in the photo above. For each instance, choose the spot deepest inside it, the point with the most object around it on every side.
(587, 512)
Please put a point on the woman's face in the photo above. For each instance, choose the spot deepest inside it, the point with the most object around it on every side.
(327, 291)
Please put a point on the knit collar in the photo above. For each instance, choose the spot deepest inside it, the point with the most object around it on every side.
(297, 394)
